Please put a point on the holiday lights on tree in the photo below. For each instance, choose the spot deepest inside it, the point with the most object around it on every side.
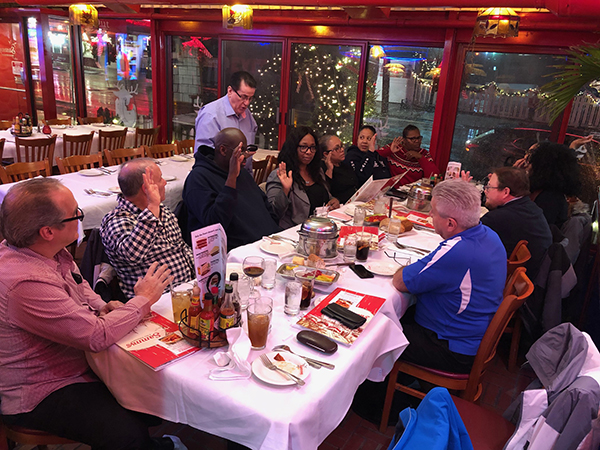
(266, 101)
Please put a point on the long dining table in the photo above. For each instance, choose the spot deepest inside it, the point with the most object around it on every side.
(249, 411)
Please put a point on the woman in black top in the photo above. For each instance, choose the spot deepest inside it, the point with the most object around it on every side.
(364, 159)
(339, 174)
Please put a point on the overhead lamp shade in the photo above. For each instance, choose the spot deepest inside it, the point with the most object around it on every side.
(497, 22)
(84, 15)
(237, 16)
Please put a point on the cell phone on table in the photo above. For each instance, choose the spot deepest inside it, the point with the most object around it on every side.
(361, 271)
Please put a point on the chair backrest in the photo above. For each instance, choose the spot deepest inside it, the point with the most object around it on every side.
(59, 121)
(89, 120)
(185, 146)
(273, 163)
(519, 256)
(111, 140)
(78, 144)
(23, 171)
(2, 141)
(5, 124)
(120, 155)
(146, 136)
(520, 289)
(161, 150)
(41, 149)
(76, 163)
(260, 170)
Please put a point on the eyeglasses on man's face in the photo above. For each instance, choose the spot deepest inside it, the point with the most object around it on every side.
(414, 139)
(307, 148)
(487, 187)
(243, 98)
(79, 216)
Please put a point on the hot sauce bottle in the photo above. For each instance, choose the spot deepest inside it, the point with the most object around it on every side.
(227, 314)
(206, 322)
(194, 312)
(215, 302)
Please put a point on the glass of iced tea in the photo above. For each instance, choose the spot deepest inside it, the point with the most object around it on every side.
(180, 298)
(258, 324)
(306, 277)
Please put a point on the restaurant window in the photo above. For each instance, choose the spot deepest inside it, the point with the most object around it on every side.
(323, 88)
(498, 117)
(118, 72)
(32, 30)
(263, 61)
(62, 73)
(194, 62)
(12, 72)
(401, 89)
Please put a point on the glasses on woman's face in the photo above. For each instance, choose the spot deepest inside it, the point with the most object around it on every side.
(307, 148)
(337, 148)
(79, 216)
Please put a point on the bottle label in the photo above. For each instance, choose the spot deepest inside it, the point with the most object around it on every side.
(195, 322)
(227, 319)
(205, 327)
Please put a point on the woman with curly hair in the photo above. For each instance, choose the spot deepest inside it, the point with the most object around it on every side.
(298, 185)
(554, 173)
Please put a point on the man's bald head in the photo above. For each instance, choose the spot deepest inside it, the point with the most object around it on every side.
(226, 142)
(131, 175)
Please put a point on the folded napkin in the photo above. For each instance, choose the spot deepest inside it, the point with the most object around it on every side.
(232, 364)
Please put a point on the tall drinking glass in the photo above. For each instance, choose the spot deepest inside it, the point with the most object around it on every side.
(254, 267)
(258, 324)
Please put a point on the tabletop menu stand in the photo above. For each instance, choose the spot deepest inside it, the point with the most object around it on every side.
(216, 338)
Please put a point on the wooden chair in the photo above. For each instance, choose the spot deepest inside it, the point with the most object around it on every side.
(519, 288)
(273, 163)
(120, 155)
(78, 144)
(41, 149)
(5, 124)
(23, 171)
(76, 163)
(519, 256)
(59, 121)
(2, 141)
(89, 120)
(146, 136)
(259, 168)
(185, 146)
(111, 140)
(27, 436)
(161, 150)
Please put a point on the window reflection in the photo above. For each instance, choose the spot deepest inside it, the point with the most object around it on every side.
(62, 71)
(12, 72)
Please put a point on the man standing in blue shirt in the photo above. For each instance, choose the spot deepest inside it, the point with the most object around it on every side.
(230, 111)
(458, 286)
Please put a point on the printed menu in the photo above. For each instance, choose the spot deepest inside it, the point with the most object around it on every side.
(209, 245)
(156, 341)
(362, 304)
(371, 188)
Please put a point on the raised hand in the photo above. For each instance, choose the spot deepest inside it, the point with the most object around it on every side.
(396, 144)
(373, 143)
(285, 178)
(153, 284)
(152, 191)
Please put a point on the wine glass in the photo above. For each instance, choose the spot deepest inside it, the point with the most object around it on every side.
(254, 267)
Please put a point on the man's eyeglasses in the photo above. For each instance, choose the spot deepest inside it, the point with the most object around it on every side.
(487, 187)
(79, 217)
(414, 139)
(243, 98)
(307, 148)
(250, 148)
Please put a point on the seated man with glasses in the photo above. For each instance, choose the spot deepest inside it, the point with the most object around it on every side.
(405, 154)
(339, 174)
(514, 216)
(141, 230)
(49, 318)
(230, 111)
(217, 191)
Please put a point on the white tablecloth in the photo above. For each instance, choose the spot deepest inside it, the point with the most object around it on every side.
(250, 412)
(10, 149)
(96, 206)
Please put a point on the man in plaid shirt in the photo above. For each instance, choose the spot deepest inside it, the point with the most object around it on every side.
(140, 230)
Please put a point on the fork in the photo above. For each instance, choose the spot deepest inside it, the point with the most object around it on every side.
(269, 365)
(93, 192)
(413, 249)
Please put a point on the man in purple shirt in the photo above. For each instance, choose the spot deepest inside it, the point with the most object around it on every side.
(230, 111)
(49, 318)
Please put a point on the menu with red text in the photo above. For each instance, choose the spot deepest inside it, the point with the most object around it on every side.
(156, 341)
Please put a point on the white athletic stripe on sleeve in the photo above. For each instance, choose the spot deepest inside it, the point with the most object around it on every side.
(441, 252)
(465, 288)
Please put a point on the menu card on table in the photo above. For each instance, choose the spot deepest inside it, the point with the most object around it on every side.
(372, 188)
(156, 341)
(418, 218)
(362, 304)
(209, 245)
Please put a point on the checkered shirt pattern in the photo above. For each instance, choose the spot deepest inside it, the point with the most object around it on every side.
(134, 239)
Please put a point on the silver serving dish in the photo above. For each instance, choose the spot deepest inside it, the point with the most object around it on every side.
(318, 236)
(419, 196)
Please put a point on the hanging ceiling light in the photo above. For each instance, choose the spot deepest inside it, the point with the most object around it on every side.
(83, 15)
(237, 16)
(497, 22)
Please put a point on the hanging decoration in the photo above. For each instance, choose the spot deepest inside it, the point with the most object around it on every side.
(83, 15)
(237, 16)
(497, 22)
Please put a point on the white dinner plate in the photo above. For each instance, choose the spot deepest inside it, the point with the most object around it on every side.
(90, 172)
(115, 189)
(169, 177)
(99, 125)
(60, 127)
(385, 269)
(273, 376)
(276, 248)
(179, 158)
